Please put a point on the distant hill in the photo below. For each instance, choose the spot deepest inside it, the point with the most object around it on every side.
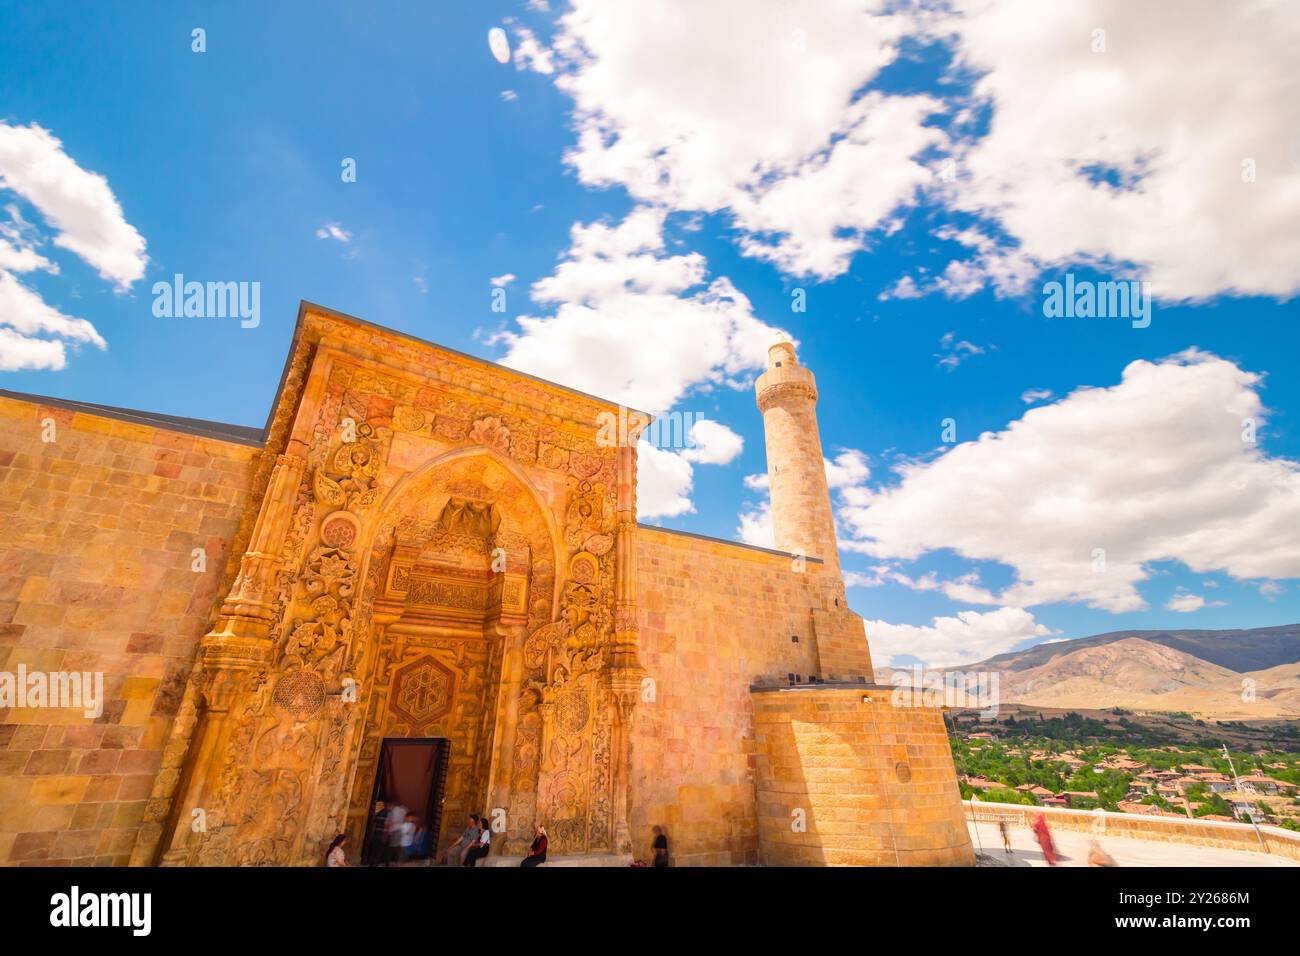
(1208, 673)
(1241, 649)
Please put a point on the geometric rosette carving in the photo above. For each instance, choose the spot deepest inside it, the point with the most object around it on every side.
(422, 691)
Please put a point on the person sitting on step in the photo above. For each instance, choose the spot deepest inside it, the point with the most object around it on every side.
(537, 855)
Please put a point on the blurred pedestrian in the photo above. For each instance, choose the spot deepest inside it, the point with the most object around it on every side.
(1044, 836)
(1099, 857)
(377, 839)
(660, 847)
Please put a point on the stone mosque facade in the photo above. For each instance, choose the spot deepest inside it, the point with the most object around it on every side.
(423, 546)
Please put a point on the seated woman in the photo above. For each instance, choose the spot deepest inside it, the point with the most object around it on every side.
(537, 855)
(336, 855)
(479, 849)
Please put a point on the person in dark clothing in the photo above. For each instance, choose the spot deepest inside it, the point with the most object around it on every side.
(481, 848)
(377, 840)
(537, 855)
(660, 847)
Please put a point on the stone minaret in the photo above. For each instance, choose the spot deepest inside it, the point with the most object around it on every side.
(801, 500)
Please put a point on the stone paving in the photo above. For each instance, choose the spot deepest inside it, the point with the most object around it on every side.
(1072, 850)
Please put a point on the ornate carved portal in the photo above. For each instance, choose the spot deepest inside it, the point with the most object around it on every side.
(420, 566)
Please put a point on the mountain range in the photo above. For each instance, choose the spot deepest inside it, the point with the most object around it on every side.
(1241, 674)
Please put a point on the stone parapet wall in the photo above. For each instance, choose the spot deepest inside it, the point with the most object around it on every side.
(1216, 833)
(846, 778)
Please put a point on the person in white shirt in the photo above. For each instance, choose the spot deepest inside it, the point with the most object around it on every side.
(396, 821)
(481, 848)
(406, 838)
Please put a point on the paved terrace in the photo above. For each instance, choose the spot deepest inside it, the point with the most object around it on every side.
(1072, 849)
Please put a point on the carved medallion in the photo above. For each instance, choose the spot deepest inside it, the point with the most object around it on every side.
(340, 529)
(583, 567)
(422, 691)
(301, 694)
(572, 712)
(408, 419)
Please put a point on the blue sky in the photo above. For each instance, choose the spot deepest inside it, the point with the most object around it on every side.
(732, 161)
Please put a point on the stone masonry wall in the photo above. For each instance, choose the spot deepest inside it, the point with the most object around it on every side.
(846, 778)
(715, 616)
(96, 575)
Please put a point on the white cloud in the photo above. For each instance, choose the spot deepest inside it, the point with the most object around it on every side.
(501, 281)
(665, 477)
(904, 288)
(530, 54)
(18, 242)
(664, 481)
(87, 221)
(1099, 156)
(884, 574)
(509, 96)
(1184, 603)
(964, 589)
(757, 108)
(635, 325)
(23, 352)
(1152, 469)
(953, 351)
(756, 526)
(712, 443)
(749, 106)
(76, 203)
(1033, 395)
(23, 259)
(947, 641)
(333, 230)
(28, 316)
(847, 469)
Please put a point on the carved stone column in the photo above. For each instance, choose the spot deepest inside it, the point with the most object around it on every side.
(249, 608)
(624, 674)
(506, 726)
(223, 685)
(233, 659)
(624, 656)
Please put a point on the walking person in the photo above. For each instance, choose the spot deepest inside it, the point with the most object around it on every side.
(396, 825)
(660, 847)
(406, 838)
(377, 839)
(537, 855)
(1005, 830)
(1044, 836)
(1097, 856)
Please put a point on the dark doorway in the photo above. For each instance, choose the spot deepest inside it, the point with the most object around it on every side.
(411, 775)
